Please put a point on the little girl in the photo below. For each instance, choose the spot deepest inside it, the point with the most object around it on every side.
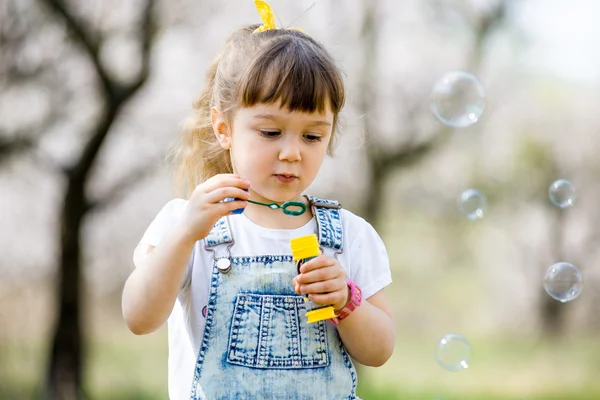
(226, 281)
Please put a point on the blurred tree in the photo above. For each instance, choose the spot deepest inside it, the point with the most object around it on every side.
(385, 160)
(537, 166)
(26, 29)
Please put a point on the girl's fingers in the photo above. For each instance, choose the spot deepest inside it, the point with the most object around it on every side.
(296, 285)
(319, 275)
(225, 180)
(317, 263)
(221, 194)
(219, 177)
(228, 207)
(327, 298)
(328, 286)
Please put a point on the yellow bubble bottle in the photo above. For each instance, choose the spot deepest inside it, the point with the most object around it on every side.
(305, 248)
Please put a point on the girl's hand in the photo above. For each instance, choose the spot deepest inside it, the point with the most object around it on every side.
(324, 280)
(206, 205)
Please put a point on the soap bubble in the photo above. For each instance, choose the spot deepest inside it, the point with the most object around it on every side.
(458, 99)
(562, 193)
(453, 352)
(472, 204)
(563, 282)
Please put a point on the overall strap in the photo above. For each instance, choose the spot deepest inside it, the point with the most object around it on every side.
(329, 222)
(219, 234)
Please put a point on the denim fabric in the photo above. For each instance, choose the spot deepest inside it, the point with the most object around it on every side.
(219, 234)
(303, 346)
(329, 224)
(256, 342)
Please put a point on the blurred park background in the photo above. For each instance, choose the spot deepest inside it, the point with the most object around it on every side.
(92, 95)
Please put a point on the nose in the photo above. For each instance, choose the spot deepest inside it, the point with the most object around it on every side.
(290, 150)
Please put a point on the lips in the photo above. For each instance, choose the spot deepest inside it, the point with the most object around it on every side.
(286, 178)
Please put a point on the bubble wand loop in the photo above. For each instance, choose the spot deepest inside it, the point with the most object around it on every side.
(284, 207)
(293, 208)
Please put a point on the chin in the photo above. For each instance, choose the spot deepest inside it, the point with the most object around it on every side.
(279, 196)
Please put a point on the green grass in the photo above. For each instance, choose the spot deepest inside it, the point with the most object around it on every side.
(124, 366)
(508, 366)
(390, 394)
(119, 366)
(11, 392)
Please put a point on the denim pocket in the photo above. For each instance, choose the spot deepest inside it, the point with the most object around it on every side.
(270, 331)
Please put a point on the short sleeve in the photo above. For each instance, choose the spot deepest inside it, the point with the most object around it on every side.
(368, 258)
(166, 219)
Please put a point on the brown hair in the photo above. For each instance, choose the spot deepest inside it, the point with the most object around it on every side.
(285, 66)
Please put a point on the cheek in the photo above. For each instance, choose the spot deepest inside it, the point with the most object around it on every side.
(316, 158)
(247, 159)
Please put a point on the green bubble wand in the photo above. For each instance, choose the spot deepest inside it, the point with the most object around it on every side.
(293, 208)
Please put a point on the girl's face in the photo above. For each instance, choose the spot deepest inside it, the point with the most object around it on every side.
(278, 151)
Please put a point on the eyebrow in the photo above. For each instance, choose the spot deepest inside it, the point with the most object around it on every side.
(274, 118)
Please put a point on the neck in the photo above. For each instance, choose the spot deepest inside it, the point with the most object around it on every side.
(276, 219)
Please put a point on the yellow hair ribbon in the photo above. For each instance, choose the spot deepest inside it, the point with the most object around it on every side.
(266, 14)
(268, 17)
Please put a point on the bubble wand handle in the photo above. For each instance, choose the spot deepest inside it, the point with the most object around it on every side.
(306, 248)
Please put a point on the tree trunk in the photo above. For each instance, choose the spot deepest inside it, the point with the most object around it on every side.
(64, 374)
(552, 312)
(64, 377)
(372, 207)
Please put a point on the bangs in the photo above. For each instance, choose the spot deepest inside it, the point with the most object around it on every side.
(295, 72)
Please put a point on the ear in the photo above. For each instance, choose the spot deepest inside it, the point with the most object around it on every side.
(221, 128)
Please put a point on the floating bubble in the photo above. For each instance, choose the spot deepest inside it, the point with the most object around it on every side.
(562, 193)
(458, 99)
(453, 352)
(563, 282)
(472, 204)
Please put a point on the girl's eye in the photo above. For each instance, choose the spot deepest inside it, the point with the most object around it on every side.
(313, 138)
(270, 134)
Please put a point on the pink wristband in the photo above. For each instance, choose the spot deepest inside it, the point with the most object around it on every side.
(353, 302)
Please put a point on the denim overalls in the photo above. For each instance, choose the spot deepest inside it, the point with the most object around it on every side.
(256, 342)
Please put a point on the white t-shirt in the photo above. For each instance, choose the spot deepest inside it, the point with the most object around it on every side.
(364, 260)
